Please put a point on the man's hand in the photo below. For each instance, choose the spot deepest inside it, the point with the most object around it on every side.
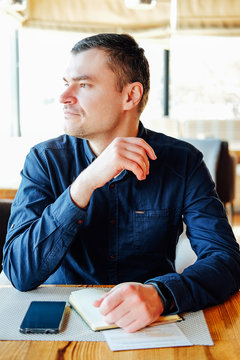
(131, 306)
(130, 153)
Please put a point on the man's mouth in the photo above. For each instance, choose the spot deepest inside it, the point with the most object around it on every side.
(69, 112)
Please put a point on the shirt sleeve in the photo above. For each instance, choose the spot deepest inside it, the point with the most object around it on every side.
(41, 227)
(216, 273)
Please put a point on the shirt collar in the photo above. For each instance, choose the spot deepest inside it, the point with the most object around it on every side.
(90, 156)
(142, 132)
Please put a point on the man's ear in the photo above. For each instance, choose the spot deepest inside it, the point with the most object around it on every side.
(133, 95)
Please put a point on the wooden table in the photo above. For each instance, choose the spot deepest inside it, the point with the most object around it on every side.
(8, 193)
(223, 322)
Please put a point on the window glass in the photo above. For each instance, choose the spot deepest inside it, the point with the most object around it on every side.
(205, 89)
(7, 100)
(43, 58)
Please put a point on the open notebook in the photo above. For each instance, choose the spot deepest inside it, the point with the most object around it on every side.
(82, 302)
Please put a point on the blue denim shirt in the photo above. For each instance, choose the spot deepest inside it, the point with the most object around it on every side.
(130, 229)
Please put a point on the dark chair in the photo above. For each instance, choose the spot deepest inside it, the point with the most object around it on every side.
(5, 207)
(226, 176)
(224, 173)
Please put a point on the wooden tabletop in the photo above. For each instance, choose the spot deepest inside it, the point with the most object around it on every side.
(223, 322)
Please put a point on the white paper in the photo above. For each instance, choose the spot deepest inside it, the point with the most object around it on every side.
(150, 337)
(83, 300)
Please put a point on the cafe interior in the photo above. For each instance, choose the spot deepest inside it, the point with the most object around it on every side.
(193, 51)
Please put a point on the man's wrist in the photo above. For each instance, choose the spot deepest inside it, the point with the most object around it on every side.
(165, 295)
(81, 191)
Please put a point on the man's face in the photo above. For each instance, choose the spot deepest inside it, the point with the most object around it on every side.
(92, 102)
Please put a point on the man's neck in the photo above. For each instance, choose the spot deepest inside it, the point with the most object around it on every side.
(99, 144)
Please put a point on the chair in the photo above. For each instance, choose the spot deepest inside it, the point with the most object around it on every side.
(226, 177)
(5, 207)
(222, 166)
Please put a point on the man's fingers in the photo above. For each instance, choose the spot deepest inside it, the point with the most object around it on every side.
(121, 319)
(110, 302)
(137, 167)
(134, 154)
(137, 154)
(131, 306)
(135, 326)
(143, 144)
(126, 153)
(98, 302)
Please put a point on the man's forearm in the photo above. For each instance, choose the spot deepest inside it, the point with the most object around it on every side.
(36, 247)
(81, 189)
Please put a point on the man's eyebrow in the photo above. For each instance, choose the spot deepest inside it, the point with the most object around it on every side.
(79, 78)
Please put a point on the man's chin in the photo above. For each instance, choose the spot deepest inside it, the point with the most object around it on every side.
(74, 132)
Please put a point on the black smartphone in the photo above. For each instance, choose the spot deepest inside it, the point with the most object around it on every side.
(43, 317)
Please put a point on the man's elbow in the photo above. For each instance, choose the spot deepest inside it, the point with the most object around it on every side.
(19, 282)
(23, 286)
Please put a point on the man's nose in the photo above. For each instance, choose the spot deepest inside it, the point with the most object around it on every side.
(67, 97)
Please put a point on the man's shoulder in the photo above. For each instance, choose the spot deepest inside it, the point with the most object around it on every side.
(163, 142)
(62, 142)
(174, 154)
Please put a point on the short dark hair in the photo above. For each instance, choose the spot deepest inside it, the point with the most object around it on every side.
(125, 58)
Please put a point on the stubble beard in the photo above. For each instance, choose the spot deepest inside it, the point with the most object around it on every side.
(75, 127)
(78, 132)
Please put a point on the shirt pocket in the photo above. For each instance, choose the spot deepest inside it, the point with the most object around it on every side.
(155, 231)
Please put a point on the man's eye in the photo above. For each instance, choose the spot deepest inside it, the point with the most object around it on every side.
(66, 84)
(83, 85)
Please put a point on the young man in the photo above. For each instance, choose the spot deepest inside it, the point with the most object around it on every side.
(105, 203)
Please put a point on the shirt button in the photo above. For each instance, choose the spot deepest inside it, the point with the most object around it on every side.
(12, 226)
(112, 221)
(111, 186)
(80, 221)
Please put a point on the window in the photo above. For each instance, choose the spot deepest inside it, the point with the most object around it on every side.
(205, 89)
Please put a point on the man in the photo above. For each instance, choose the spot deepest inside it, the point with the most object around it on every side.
(105, 203)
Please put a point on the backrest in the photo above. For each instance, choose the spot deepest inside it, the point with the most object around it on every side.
(211, 150)
(5, 208)
(226, 174)
(220, 163)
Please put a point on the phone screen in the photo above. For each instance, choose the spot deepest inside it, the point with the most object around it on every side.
(43, 317)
